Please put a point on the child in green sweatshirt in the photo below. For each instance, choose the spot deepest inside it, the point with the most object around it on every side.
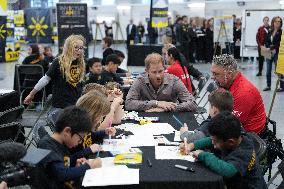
(237, 162)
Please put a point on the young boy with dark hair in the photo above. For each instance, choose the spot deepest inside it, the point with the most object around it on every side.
(121, 72)
(219, 100)
(109, 73)
(61, 167)
(238, 163)
(95, 67)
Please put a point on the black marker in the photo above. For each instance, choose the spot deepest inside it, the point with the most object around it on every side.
(149, 163)
(185, 168)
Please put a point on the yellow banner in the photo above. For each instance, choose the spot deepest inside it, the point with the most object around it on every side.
(280, 62)
(3, 7)
(12, 56)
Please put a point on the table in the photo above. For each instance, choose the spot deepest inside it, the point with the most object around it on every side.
(163, 174)
(9, 100)
(138, 53)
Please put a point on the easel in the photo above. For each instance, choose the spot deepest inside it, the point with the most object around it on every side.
(98, 28)
(222, 27)
(117, 31)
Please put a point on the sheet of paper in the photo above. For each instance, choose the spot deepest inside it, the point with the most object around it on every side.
(171, 152)
(177, 136)
(138, 140)
(109, 176)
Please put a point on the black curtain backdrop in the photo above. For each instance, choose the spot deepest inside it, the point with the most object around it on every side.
(72, 19)
(3, 36)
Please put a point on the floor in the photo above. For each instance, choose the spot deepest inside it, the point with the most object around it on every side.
(248, 68)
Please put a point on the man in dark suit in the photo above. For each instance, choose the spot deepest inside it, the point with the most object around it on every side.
(130, 32)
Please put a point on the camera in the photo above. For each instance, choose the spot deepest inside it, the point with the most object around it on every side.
(19, 167)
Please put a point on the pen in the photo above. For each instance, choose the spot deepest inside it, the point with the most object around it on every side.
(178, 121)
(185, 168)
(98, 154)
(185, 145)
(149, 162)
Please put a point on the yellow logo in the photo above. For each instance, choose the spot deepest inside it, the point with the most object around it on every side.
(69, 11)
(38, 26)
(10, 33)
(75, 75)
(2, 31)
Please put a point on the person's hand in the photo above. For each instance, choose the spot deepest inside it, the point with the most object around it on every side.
(116, 103)
(196, 153)
(80, 162)
(155, 110)
(186, 149)
(95, 163)
(183, 129)
(3, 185)
(95, 148)
(28, 99)
(167, 106)
(110, 131)
(128, 74)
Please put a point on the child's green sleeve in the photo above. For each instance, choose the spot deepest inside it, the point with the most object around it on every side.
(202, 143)
(217, 165)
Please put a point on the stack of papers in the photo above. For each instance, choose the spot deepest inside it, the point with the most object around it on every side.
(106, 176)
(171, 152)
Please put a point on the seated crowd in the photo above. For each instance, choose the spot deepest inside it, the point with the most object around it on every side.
(84, 105)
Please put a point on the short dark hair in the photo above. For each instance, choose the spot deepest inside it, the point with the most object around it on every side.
(225, 125)
(119, 53)
(108, 41)
(91, 61)
(221, 99)
(75, 118)
(112, 58)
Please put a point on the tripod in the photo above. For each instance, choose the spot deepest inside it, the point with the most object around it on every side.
(98, 29)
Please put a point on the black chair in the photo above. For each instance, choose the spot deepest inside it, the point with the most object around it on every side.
(260, 148)
(10, 131)
(11, 115)
(26, 76)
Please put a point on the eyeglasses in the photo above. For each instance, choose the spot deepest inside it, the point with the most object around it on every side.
(77, 48)
(81, 138)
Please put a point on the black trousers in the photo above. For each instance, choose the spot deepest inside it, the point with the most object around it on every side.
(260, 61)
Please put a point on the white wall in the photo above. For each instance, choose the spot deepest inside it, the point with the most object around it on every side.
(229, 8)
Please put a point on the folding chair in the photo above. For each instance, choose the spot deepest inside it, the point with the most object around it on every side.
(11, 115)
(10, 131)
(26, 77)
(201, 85)
(201, 108)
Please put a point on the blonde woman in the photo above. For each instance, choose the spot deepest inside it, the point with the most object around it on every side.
(97, 106)
(66, 72)
(114, 96)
